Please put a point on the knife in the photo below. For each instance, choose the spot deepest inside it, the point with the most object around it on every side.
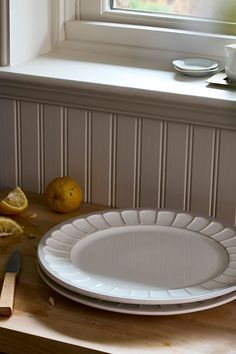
(8, 287)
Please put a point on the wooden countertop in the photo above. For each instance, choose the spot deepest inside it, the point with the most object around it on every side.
(68, 327)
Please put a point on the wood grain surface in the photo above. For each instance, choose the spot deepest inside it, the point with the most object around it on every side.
(7, 294)
(37, 326)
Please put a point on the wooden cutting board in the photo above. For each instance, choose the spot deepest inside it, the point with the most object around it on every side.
(46, 322)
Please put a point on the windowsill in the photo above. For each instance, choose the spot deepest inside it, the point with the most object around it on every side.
(151, 40)
(118, 76)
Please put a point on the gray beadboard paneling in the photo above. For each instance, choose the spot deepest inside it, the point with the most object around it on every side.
(175, 165)
(30, 146)
(150, 163)
(125, 152)
(119, 160)
(100, 157)
(8, 143)
(201, 169)
(226, 183)
(76, 146)
(53, 142)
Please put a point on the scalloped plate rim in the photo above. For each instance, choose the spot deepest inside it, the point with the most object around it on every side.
(147, 310)
(173, 300)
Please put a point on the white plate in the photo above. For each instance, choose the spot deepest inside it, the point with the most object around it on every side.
(201, 71)
(195, 64)
(142, 256)
(151, 310)
(197, 72)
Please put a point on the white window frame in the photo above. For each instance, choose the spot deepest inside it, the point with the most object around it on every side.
(163, 38)
(101, 11)
(4, 33)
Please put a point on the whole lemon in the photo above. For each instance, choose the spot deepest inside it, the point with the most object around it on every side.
(63, 194)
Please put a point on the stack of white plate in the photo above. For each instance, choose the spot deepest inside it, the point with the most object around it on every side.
(195, 66)
(141, 261)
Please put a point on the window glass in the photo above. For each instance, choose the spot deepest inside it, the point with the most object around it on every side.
(211, 9)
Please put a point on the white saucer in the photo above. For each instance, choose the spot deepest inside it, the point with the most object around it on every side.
(151, 310)
(197, 73)
(195, 64)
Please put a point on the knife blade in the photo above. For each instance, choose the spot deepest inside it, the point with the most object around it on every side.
(8, 287)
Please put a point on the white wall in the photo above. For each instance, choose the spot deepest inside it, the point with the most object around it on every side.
(30, 29)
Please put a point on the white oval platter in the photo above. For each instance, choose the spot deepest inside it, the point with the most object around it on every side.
(142, 256)
(134, 309)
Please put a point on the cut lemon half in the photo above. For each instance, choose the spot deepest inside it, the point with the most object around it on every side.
(14, 203)
(9, 227)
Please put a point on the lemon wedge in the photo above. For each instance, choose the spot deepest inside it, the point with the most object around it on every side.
(9, 227)
(14, 203)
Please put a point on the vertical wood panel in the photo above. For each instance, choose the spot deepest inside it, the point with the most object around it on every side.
(162, 165)
(100, 153)
(53, 142)
(226, 191)
(214, 171)
(88, 157)
(18, 138)
(175, 165)
(112, 160)
(137, 162)
(64, 132)
(125, 161)
(150, 160)
(29, 147)
(76, 146)
(7, 144)
(188, 168)
(201, 169)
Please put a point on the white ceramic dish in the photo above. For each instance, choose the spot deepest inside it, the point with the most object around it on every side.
(195, 64)
(197, 73)
(142, 256)
(151, 310)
